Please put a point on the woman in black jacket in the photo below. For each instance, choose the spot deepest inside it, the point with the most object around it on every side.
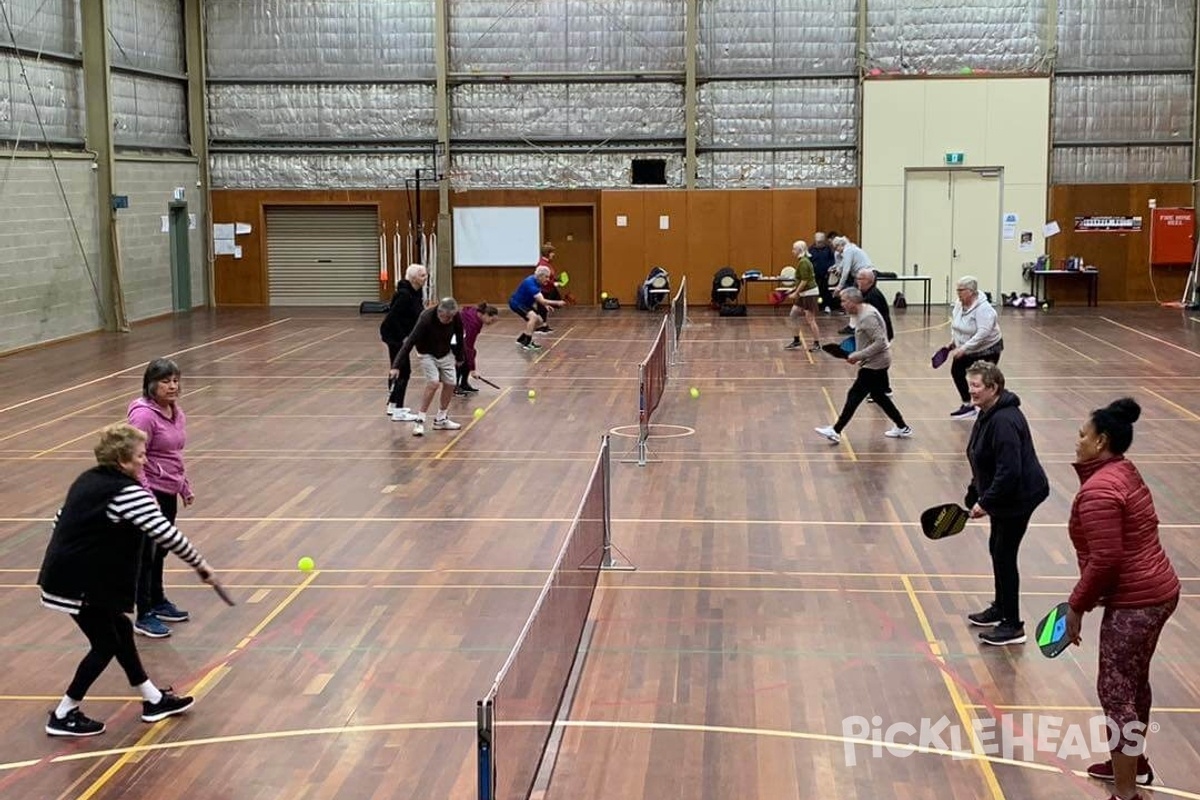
(90, 571)
(1007, 484)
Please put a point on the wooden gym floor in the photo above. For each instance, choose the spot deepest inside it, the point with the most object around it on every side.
(782, 584)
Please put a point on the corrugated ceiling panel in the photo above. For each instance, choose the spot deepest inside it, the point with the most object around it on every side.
(320, 38)
(314, 170)
(748, 37)
(57, 90)
(147, 111)
(566, 36)
(743, 113)
(1120, 34)
(934, 36)
(40, 24)
(1123, 108)
(146, 34)
(599, 110)
(1121, 164)
(552, 170)
(761, 170)
(321, 111)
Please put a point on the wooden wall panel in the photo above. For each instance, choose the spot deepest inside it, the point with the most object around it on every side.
(837, 210)
(1123, 258)
(665, 248)
(708, 244)
(622, 248)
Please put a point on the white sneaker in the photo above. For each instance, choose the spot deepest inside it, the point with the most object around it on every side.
(401, 415)
(418, 428)
(445, 424)
(899, 433)
(829, 433)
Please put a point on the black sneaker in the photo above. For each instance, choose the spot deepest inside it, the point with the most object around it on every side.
(73, 724)
(987, 618)
(168, 706)
(1005, 633)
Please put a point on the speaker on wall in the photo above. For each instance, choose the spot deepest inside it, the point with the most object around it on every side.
(649, 172)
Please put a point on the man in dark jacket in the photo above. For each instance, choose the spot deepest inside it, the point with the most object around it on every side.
(438, 339)
(407, 304)
(1007, 484)
(822, 257)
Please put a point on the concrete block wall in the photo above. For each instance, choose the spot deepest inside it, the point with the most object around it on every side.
(45, 293)
(145, 249)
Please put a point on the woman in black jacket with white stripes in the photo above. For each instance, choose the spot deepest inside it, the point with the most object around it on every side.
(90, 571)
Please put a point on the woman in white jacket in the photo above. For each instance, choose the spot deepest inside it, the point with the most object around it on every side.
(975, 328)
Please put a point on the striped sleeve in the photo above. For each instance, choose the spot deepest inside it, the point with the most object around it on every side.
(136, 505)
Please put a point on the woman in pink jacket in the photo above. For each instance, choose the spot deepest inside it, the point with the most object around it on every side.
(157, 414)
(1124, 568)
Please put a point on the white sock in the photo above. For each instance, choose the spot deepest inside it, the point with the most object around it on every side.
(441, 414)
(150, 692)
(65, 706)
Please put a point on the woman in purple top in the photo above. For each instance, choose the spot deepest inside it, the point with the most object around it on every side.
(473, 319)
(157, 414)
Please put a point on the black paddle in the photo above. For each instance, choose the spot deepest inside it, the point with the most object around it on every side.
(939, 522)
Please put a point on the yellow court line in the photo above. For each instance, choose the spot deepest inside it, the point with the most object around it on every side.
(965, 716)
(471, 424)
(69, 414)
(1170, 403)
(120, 372)
(554, 344)
(1154, 338)
(1067, 346)
(1110, 344)
(1157, 710)
(94, 431)
(310, 344)
(834, 411)
(213, 674)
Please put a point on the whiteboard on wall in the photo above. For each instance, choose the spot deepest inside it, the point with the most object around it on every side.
(497, 236)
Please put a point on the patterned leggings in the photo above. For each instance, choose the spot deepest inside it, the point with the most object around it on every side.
(1128, 637)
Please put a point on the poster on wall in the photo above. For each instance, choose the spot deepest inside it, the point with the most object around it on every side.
(1108, 224)
(1026, 244)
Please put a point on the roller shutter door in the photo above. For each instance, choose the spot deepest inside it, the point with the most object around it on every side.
(322, 255)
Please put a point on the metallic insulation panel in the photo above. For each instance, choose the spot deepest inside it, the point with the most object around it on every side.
(321, 111)
(1123, 108)
(942, 37)
(745, 113)
(147, 111)
(314, 170)
(1121, 164)
(146, 34)
(57, 91)
(320, 38)
(43, 24)
(552, 170)
(1119, 34)
(612, 110)
(783, 169)
(566, 35)
(748, 37)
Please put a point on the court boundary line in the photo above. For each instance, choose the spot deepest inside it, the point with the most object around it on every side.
(1154, 338)
(120, 372)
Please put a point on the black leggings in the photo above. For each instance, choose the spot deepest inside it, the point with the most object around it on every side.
(871, 383)
(959, 367)
(1004, 544)
(398, 386)
(111, 635)
(150, 575)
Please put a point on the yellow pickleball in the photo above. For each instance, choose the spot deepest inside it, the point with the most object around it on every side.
(306, 564)
(478, 413)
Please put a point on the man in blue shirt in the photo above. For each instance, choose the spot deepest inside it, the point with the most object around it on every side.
(525, 301)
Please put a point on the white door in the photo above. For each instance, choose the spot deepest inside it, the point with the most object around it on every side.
(952, 228)
(928, 222)
(976, 230)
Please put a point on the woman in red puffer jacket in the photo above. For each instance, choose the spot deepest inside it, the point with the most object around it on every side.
(1122, 565)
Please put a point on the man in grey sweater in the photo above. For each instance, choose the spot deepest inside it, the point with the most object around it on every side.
(873, 355)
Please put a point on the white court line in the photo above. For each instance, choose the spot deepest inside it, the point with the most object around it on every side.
(1154, 338)
(140, 365)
